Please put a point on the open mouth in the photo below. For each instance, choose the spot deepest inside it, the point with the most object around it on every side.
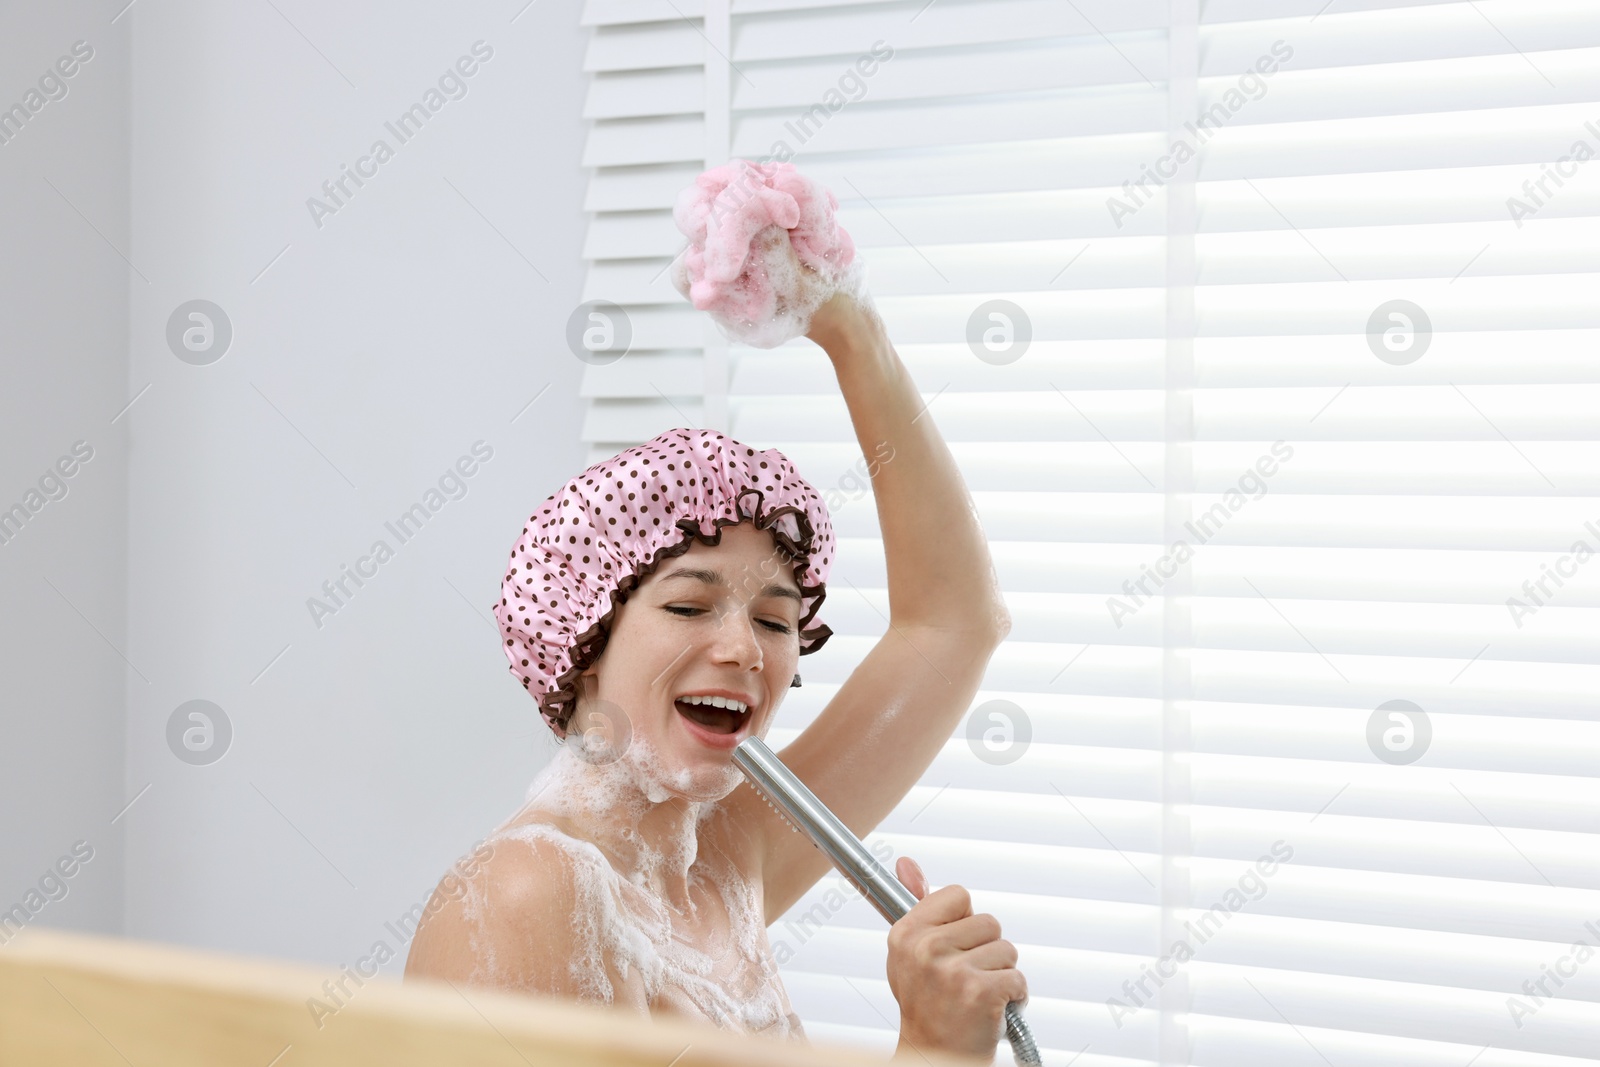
(717, 720)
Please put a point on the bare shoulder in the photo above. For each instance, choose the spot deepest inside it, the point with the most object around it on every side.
(507, 900)
(517, 921)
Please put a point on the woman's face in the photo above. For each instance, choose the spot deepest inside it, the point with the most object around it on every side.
(681, 634)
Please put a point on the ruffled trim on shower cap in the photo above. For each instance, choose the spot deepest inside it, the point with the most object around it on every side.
(550, 666)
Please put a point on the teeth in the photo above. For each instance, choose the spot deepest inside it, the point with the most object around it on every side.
(716, 702)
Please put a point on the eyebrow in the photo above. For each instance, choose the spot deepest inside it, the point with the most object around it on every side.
(715, 578)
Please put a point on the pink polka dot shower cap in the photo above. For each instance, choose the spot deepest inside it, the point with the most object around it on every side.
(597, 538)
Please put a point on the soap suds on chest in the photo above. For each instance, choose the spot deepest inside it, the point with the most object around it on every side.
(713, 961)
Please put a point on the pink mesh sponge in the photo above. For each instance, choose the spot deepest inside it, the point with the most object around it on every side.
(742, 220)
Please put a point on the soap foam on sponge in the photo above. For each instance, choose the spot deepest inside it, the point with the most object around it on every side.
(765, 250)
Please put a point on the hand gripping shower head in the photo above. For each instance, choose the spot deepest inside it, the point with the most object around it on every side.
(789, 797)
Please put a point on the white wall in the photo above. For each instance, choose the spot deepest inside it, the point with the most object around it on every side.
(63, 377)
(371, 750)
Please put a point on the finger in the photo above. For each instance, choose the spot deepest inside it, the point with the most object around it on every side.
(969, 932)
(911, 876)
(1019, 995)
(1004, 986)
(994, 956)
(944, 905)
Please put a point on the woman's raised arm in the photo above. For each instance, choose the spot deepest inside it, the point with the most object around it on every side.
(940, 573)
(889, 720)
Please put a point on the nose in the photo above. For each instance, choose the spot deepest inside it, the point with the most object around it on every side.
(736, 640)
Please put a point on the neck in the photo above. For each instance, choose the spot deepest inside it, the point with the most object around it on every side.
(649, 835)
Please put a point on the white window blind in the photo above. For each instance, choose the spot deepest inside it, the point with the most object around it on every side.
(1287, 492)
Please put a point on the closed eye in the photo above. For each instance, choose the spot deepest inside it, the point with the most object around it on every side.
(684, 613)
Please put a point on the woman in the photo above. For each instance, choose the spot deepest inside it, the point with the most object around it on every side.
(642, 871)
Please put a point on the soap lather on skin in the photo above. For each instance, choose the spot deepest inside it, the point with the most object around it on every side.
(726, 976)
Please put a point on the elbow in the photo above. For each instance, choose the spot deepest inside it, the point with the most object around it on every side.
(987, 626)
(995, 624)
(1002, 623)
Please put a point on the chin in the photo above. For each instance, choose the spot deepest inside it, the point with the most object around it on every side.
(705, 783)
(689, 772)
(711, 779)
